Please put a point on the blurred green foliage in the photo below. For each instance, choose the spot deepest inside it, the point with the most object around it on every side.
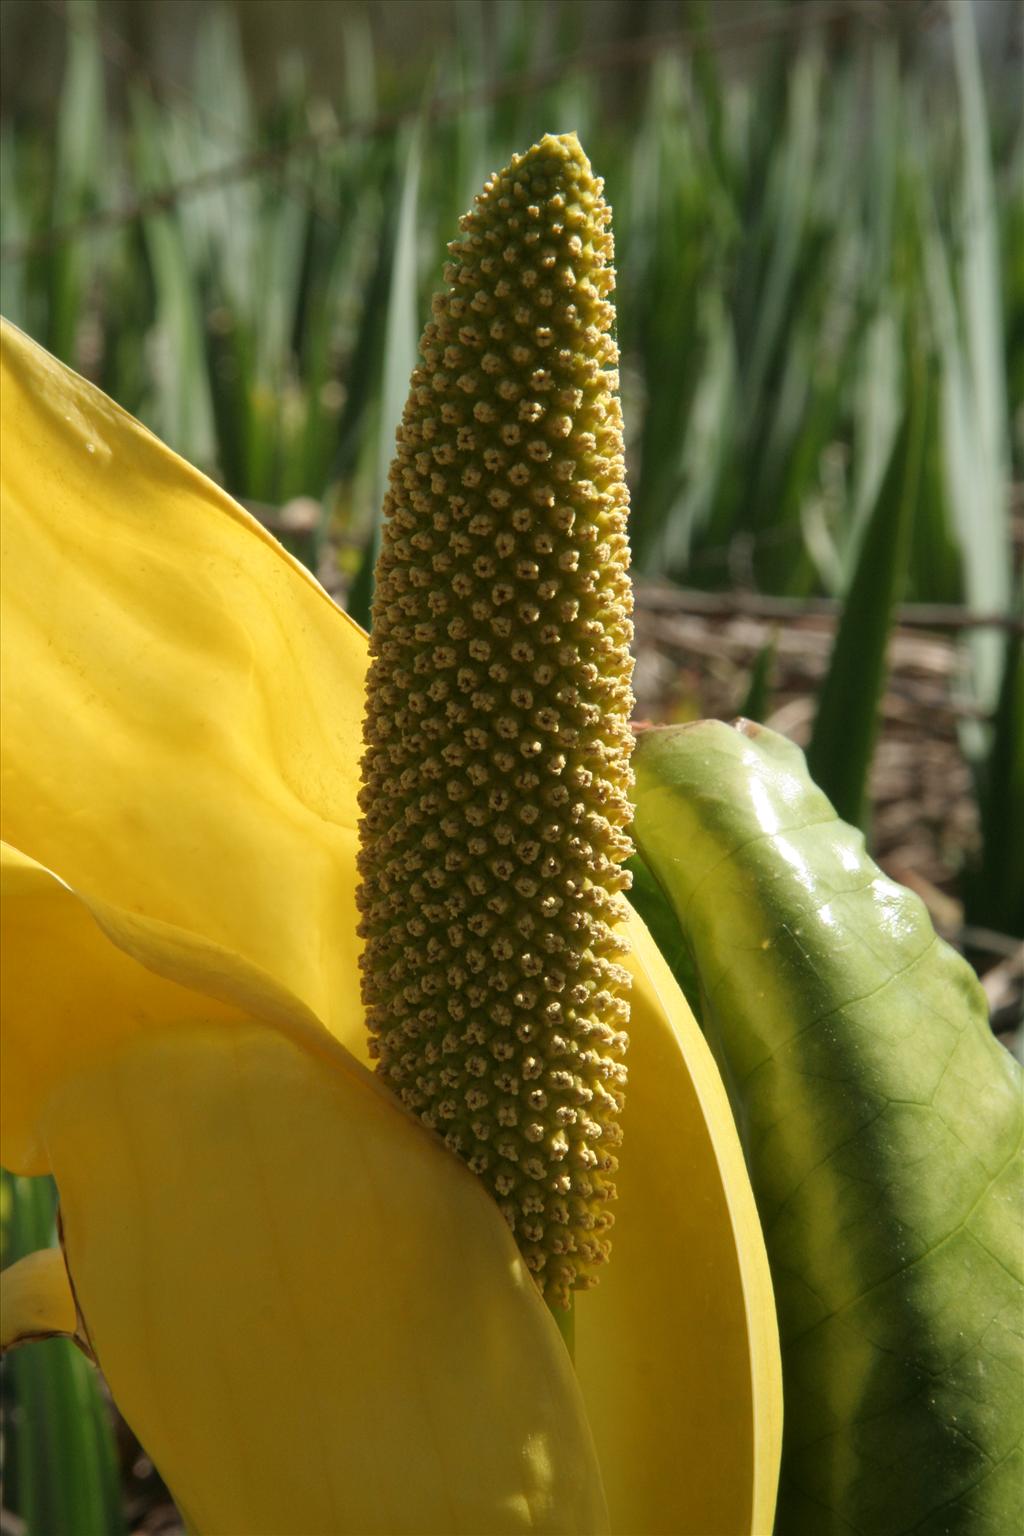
(821, 296)
(778, 230)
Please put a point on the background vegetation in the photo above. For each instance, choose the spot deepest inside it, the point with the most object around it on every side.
(820, 236)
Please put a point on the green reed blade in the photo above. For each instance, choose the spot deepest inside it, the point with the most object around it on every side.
(846, 723)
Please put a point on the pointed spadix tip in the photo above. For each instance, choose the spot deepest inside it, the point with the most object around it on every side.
(561, 148)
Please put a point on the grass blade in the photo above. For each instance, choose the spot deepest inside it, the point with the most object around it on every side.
(995, 893)
(757, 700)
(182, 409)
(400, 341)
(846, 725)
(78, 175)
(974, 390)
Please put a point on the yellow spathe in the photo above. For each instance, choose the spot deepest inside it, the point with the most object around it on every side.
(166, 666)
(311, 1313)
(36, 1300)
(676, 1349)
(311, 1324)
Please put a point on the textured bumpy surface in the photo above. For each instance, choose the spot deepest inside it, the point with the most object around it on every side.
(496, 764)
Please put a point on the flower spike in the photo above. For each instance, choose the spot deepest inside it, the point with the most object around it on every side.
(496, 775)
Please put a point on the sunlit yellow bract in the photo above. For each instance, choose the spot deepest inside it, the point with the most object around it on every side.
(311, 1313)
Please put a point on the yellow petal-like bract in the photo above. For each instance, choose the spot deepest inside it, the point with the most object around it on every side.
(312, 1325)
(496, 771)
(166, 746)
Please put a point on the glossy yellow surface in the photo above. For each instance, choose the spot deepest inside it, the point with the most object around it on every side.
(312, 1314)
(311, 1323)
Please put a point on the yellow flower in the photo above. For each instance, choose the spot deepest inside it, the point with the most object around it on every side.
(312, 1314)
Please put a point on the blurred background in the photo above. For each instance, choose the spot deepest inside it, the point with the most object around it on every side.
(231, 216)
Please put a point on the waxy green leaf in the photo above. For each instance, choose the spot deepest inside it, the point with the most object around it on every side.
(882, 1127)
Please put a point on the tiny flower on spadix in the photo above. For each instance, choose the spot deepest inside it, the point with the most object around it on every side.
(496, 770)
(312, 1313)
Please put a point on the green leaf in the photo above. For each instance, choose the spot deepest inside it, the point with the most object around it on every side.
(648, 899)
(882, 1127)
